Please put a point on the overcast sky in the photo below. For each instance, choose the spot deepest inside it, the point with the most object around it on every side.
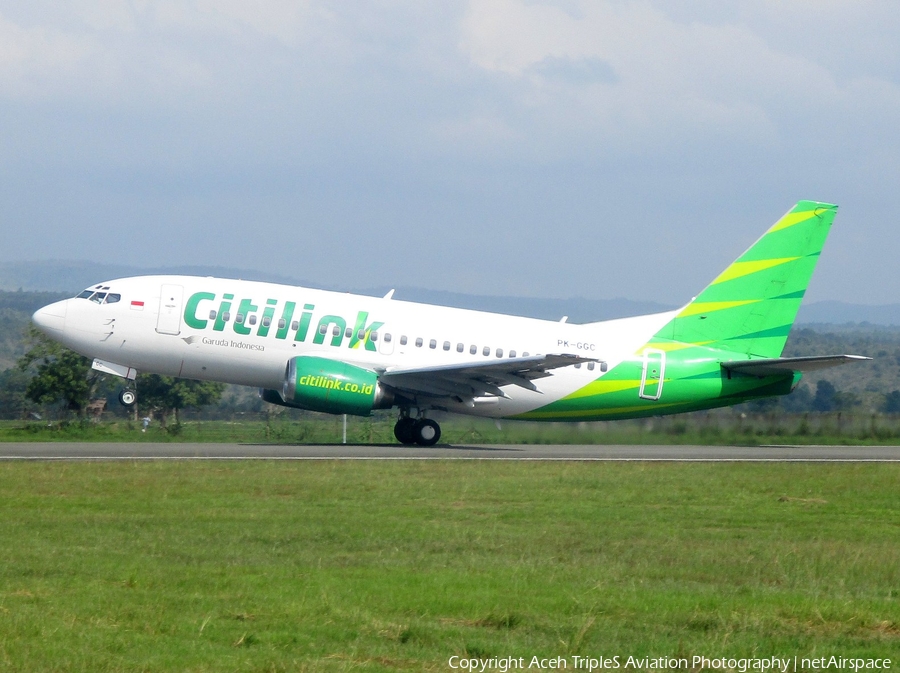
(550, 149)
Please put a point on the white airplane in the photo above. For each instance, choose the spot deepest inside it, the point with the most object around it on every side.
(349, 354)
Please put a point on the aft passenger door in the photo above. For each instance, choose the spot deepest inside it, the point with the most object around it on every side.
(653, 374)
(170, 305)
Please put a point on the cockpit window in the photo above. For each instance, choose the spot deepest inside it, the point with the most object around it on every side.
(100, 297)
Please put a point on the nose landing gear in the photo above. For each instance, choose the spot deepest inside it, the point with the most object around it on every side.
(421, 431)
(127, 397)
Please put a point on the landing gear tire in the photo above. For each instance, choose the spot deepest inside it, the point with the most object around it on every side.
(403, 430)
(127, 398)
(426, 432)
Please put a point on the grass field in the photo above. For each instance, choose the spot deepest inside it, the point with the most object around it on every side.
(383, 566)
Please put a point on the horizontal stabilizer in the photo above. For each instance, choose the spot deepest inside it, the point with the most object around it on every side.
(772, 366)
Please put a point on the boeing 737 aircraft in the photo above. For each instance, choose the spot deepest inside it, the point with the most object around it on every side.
(349, 354)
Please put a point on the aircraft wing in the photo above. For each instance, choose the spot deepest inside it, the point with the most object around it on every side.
(770, 366)
(466, 381)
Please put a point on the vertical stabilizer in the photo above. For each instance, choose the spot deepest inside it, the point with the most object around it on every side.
(751, 306)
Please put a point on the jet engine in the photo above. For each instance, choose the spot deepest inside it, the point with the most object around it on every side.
(331, 386)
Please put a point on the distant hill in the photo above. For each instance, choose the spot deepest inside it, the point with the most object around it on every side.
(71, 277)
(838, 312)
(577, 309)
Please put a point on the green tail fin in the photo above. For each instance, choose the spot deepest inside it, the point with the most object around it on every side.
(751, 306)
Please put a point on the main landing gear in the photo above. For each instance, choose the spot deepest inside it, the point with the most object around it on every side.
(421, 431)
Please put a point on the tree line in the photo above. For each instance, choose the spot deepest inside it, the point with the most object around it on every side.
(51, 378)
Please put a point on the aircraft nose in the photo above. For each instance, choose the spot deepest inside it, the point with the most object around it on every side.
(51, 318)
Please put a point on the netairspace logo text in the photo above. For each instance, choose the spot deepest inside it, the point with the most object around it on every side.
(793, 664)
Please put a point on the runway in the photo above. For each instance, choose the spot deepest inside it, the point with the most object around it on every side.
(674, 453)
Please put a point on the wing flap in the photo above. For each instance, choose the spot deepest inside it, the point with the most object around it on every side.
(773, 366)
(480, 378)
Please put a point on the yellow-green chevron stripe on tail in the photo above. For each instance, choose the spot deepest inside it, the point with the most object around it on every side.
(739, 269)
(750, 307)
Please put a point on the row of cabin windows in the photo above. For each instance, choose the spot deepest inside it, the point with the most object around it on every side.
(473, 349)
(239, 318)
(460, 347)
(361, 335)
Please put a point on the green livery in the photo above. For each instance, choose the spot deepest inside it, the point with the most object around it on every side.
(751, 306)
(746, 313)
(331, 386)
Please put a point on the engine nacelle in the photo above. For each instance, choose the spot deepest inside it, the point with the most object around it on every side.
(335, 387)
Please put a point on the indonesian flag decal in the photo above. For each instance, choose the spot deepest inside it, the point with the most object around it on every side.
(137, 305)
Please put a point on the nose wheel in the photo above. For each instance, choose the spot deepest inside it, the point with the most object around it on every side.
(422, 431)
(127, 398)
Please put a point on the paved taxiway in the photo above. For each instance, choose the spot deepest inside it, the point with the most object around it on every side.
(149, 451)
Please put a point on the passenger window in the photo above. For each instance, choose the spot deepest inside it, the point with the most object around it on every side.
(239, 318)
(295, 325)
(473, 349)
(387, 338)
(323, 329)
(361, 334)
(403, 340)
(512, 354)
(499, 352)
(590, 366)
(577, 365)
(113, 298)
(432, 344)
(602, 366)
(446, 345)
(266, 321)
(486, 351)
(525, 354)
(373, 336)
(419, 342)
(460, 347)
(336, 331)
(252, 319)
(226, 316)
(212, 315)
(348, 333)
(281, 323)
